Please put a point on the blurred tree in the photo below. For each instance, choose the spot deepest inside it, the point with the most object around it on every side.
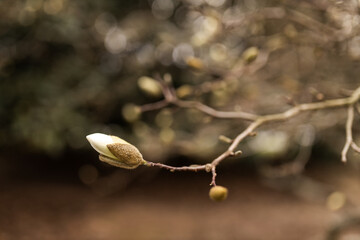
(71, 68)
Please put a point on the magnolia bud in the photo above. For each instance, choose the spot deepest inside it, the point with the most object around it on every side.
(250, 54)
(131, 112)
(149, 86)
(218, 193)
(184, 91)
(195, 63)
(116, 151)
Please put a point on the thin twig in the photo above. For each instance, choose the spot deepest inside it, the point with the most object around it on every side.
(355, 147)
(213, 172)
(290, 14)
(194, 168)
(154, 106)
(357, 106)
(336, 231)
(349, 139)
(212, 112)
(225, 139)
(171, 98)
(310, 23)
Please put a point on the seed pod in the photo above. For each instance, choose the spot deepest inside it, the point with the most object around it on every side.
(218, 193)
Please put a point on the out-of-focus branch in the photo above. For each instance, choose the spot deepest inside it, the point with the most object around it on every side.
(235, 72)
(199, 106)
(212, 112)
(357, 106)
(355, 147)
(317, 27)
(257, 121)
(281, 13)
(309, 22)
(171, 98)
(336, 231)
(154, 106)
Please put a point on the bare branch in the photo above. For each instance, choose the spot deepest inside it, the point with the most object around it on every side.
(193, 168)
(337, 230)
(355, 147)
(212, 112)
(349, 138)
(292, 15)
(225, 139)
(171, 98)
(286, 115)
(154, 106)
(357, 106)
(258, 121)
(310, 23)
(213, 172)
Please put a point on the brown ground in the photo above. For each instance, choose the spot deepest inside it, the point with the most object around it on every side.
(169, 206)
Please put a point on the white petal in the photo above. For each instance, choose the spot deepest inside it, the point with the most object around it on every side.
(119, 140)
(99, 141)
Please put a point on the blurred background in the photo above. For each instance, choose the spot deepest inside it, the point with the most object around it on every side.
(72, 68)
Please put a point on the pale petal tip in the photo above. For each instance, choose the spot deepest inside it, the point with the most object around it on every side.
(99, 141)
(93, 135)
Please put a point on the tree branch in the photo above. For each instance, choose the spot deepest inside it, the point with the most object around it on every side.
(355, 147)
(258, 121)
(193, 168)
(348, 129)
(154, 106)
(212, 112)
(171, 98)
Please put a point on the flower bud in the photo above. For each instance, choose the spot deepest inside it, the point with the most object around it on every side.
(116, 151)
(250, 54)
(218, 193)
(184, 91)
(131, 112)
(149, 86)
(195, 63)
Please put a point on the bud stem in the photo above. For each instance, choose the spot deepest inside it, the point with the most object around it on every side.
(171, 168)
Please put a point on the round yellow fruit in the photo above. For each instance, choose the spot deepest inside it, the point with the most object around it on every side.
(218, 193)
